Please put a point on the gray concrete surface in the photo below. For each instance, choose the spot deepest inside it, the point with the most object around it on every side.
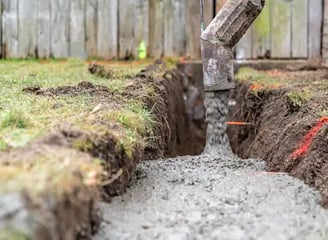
(221, 198)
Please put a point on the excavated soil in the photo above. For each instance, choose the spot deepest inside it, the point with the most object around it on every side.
(289, 127)
(63, 212)
(178, 109)
(81, 89)
(174, 133)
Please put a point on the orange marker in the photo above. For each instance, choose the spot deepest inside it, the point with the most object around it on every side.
(239, 123)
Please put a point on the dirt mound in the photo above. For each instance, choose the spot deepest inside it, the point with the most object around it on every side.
(101, 71)
(290, 128)
(80, 89)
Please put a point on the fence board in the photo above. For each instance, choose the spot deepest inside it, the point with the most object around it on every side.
(281, 29)
(244, 47)
(300, 29)
(175, 25)
(0, 28)
(208, 11)
(107, 28)
(156, 28)
(193, 29)
(126, 12)
(91, 15)
(141, 30)
(59, 28)
(179, 26)
(27, 28)
(262, 33)
(10, 28)
(77, 45)
(315, 25)
(112, 28)
(169, 12)
(44, 28)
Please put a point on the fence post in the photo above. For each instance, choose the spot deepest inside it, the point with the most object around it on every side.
(156, 28)
(9, 28)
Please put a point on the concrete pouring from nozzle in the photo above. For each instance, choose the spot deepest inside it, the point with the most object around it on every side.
(217, 42)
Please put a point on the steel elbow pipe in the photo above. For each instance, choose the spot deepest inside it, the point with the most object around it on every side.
(219, 38)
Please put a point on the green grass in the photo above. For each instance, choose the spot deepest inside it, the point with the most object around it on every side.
(49, 170)
(250, 74)
(24, 117)
(134, 117)
(298, 98)
(10, 233)
(300, 81)
(323, 113)
(14, 119)
(45, 172)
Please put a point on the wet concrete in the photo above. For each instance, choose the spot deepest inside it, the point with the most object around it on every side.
(216, 104)
(220, 197)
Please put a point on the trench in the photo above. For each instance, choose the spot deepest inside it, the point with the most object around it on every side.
(221, 195)
(277, 128)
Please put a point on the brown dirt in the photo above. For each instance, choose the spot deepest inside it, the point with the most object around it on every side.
(281, 123)
(178, 133)
(69, 211)
(103, 144)
(81, 89)
(74, 213)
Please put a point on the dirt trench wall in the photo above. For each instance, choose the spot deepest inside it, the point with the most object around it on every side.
(289, 139)
(178, 110)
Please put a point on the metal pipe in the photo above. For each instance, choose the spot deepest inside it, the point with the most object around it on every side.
(219, 38)
(217, 42)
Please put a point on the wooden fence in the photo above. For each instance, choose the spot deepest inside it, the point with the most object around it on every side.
(112, 29)
(285, 29)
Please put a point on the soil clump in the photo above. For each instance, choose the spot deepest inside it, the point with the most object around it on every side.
(81, 88)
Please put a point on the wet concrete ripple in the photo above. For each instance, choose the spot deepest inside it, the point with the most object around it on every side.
(223, 198)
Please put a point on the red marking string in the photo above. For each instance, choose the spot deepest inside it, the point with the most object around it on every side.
(308, 139)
